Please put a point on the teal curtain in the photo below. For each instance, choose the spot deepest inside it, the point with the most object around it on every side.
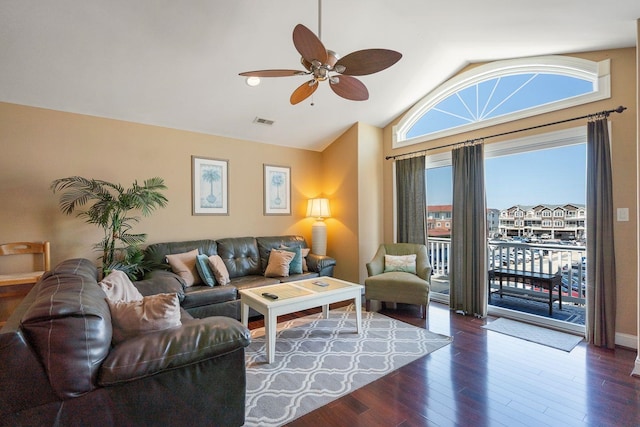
(468, 275)
(411, 201)
(601, 260)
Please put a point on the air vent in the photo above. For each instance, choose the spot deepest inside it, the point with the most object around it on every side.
(262, 121)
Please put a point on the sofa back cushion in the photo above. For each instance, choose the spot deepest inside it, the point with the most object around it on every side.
(265, 244)
(157, 253)
(69, 326)
(240, 255)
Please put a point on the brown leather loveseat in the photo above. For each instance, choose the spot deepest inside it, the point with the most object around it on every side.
(58, 366)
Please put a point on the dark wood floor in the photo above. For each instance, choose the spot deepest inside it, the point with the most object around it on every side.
(485, 378)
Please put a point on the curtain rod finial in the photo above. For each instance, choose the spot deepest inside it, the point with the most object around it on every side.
(620, 109)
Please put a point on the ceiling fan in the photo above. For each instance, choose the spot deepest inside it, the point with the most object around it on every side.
(322, 64)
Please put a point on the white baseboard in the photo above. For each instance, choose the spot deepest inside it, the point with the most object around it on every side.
(626, 340)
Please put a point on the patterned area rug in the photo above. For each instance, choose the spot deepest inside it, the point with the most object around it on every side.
(318, 360)
(525, 331)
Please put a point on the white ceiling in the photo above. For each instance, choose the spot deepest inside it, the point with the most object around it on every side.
(176, 63)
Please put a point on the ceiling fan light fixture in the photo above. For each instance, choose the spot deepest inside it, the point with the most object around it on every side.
(253, 81)
(339, 68)
(332, 58)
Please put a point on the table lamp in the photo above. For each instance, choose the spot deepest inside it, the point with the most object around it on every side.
(318, 209)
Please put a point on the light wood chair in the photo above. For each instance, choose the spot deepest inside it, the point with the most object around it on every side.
(25, 248)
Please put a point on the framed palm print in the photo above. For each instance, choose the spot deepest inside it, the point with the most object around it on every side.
(210, 183)
(277, 190)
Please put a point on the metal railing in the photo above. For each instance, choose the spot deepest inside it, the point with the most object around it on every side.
(569, 261)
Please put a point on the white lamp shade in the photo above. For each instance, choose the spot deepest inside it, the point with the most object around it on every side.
(318, 208)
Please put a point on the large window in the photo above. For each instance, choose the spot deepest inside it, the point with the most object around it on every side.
(503, 91)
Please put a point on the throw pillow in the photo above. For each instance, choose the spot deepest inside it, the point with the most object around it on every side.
(184, 265)
(279, 261)
(118, 287)
(296, 264)
(202, 265)
(305, 252)
(151, 313)
(406, 263)
(220, 271)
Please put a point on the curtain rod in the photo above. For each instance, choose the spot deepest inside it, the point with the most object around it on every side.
(606, 113)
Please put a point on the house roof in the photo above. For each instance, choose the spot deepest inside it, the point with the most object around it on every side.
(176, 64)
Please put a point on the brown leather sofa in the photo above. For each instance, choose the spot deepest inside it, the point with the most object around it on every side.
(246, 259)
(58, 366)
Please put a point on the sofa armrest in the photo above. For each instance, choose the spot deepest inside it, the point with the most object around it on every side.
(321, 264)
(152, 353)
(161, 282)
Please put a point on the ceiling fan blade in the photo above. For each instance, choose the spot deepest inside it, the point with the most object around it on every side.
(308, 45)
(273, 73)
(350, 88)
(368, 61)
(303, 91)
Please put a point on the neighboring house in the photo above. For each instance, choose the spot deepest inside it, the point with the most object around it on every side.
(439, 220)
(564, 222)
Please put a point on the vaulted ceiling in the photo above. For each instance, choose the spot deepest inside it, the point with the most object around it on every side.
(176, 63)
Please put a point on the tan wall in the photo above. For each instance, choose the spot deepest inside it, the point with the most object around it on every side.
(353, 182)
(636, 370)
(340, 183)
(41, 145)
(370, 195)
(624, 140)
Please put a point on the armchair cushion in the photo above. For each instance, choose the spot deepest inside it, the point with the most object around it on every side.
(397, 286)
(406, 263)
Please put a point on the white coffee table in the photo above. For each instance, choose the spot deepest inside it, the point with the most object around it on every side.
(297, 296)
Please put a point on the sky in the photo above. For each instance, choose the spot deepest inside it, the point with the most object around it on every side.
(551, 176)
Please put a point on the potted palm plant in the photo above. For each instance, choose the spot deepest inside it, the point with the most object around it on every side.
(110, 208)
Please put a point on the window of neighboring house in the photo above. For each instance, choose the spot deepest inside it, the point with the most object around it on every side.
(558, 213)
(503, 91)
(546, 214)
(558, 223)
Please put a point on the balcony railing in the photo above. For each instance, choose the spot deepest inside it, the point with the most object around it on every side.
(567, 260)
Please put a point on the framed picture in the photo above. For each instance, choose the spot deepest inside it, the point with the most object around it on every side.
(210, 183)
(277, 190)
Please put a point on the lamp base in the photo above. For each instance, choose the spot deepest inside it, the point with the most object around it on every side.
(319, 238)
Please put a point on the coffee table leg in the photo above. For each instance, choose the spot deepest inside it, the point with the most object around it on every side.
(358, 304)
(245, 315)
(325, 311)
(270, 327)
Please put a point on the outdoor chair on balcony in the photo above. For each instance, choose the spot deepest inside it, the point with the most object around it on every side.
(398, 273)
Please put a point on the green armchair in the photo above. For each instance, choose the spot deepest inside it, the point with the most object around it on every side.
(398, 286)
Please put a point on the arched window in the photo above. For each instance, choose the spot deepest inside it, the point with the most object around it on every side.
(503, 91)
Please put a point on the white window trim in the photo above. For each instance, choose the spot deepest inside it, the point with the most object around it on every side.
(561, 138)
(598, 72)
